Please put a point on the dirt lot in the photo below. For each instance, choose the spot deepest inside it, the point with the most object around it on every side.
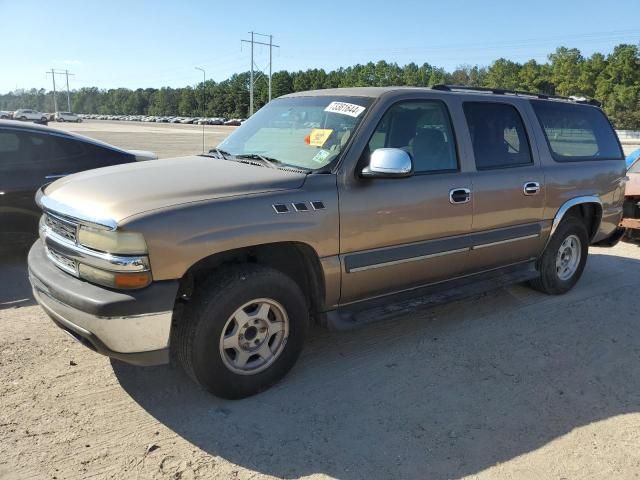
(512, 384)
(165, 139)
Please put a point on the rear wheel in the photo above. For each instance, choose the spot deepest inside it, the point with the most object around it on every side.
(564, 259)
(242, 331)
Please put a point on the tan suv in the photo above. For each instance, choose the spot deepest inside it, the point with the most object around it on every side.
(327, 206)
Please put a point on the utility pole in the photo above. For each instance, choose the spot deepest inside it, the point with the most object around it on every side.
(252, 80)
(66, 72)
(270, 62)
(253, 65)
(53, 74)
(204, 92)
(55, 102)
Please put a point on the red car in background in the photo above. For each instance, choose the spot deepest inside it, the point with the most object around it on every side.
(631, 207)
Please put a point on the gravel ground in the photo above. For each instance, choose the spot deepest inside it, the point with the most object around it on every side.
(511, 384)
(165, 139)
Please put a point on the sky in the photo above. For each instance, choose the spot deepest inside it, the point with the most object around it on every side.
(137, 44)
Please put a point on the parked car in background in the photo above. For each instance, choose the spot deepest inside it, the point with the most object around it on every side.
(67, 117)
(31, 156)
(632, 157)
(27, 114)
(4, 115)
(235, 122)
(631, 207)
(391, 197)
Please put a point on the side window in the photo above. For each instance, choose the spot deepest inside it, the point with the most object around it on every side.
(576, 132)
(62, 148)
(423, 129)
(25, 150)
(497, 134)
(39, 150)
(9, 150)
(9, 143)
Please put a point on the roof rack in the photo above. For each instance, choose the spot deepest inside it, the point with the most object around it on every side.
(502, 91)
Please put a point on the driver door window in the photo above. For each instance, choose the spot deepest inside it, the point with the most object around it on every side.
(422, 129)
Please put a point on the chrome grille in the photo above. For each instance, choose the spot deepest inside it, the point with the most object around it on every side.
(63, 228)
(65, 263)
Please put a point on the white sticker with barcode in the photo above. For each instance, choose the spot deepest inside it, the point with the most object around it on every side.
(344, 108)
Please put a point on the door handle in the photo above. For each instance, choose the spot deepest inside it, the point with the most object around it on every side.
(531, 188)
(55, 175)
(459, 195)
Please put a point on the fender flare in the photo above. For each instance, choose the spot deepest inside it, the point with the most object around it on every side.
(566, 206)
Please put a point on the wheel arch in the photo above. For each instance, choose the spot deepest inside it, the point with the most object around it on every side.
(587, 207)
(297, 260)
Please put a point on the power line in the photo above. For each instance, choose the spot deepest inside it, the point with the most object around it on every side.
(254, 66)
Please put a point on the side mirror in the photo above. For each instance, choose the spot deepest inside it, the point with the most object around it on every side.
(388, 163)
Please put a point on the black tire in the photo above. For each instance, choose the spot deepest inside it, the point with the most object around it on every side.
(199, 330)
(23, 118)
(549, 282)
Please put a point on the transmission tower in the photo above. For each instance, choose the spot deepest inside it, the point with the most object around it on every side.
(254, 67)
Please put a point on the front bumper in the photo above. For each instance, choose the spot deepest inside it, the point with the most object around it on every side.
(132, 326)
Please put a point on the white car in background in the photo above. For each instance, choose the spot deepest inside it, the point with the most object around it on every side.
(4, 115)
(67, 117)
(27, 114)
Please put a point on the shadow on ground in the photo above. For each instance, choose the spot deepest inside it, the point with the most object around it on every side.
(15, 290)
(440, 394)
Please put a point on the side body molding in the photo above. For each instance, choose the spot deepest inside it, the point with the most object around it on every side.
(572, 203)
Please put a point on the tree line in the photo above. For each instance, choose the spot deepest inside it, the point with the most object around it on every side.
(613, 79)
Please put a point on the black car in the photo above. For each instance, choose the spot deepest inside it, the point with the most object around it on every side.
(31, 156)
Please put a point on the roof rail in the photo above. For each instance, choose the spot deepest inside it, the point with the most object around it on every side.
(502, 91)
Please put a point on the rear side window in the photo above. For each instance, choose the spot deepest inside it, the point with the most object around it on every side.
(577, 132)
(497, 134)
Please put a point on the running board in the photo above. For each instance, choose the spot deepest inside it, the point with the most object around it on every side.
(400, 304)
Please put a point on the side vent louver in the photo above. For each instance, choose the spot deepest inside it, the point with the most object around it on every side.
(281, 208)
(317, 205)
(300, 207)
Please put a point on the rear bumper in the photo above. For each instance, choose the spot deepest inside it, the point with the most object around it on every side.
(131, 326)
(633, 223)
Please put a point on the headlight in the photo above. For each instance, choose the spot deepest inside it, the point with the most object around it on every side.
(112, 241)
(119, 280)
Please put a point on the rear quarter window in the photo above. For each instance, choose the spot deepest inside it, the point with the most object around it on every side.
(577, 132)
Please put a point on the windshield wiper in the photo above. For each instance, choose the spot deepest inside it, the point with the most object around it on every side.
(267, 161)
(220, 153)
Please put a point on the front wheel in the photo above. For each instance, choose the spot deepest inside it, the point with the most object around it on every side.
(242, 331)
(564, 259)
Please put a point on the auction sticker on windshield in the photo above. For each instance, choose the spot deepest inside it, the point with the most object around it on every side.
(319, 136)
(344, 108)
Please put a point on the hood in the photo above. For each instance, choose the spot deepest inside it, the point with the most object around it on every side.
(633, 185)
(124, 190)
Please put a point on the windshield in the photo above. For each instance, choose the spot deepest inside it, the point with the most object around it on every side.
(302, 132)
